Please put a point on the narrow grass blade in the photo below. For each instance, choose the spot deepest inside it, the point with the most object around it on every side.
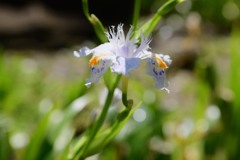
(35, 145)
(103, 138)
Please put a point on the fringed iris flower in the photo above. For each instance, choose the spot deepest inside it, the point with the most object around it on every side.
(123, 54)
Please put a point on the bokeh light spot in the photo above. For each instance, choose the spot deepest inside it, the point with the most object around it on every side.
(184, 7)
(166, 32)
(213, 112)
(139, 115)
(19, 140)
(230, 11)
(149, 97)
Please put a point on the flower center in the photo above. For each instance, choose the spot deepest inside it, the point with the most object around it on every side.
(161, 63)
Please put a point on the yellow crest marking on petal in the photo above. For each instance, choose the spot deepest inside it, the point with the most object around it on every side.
(161, 63)
(94, 60)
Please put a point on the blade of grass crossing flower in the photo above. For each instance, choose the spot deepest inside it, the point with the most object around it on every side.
(97, 126)
(34, 147)
(151, 24)
(103, 138)
(122, 119)
(80, 149)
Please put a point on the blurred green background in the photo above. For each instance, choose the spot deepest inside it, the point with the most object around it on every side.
(44, 103)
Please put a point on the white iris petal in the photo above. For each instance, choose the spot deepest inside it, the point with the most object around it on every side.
(144, 46)
(124, 65)
(105, 49)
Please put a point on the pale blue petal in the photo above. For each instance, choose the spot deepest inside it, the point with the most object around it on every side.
(157, 73)
(123, 65)
(98, 70)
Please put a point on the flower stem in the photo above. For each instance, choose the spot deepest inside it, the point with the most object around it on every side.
(100, 120)
(127, 103)
(85, 8)
(96, 23)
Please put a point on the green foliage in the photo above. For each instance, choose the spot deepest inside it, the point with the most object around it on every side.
(151, 24)
(58, 118)
(208, 11)
(96, 23)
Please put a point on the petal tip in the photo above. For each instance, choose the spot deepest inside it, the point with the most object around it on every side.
(167, 90)
(76, 54)
(82, 52)
(88, 84)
